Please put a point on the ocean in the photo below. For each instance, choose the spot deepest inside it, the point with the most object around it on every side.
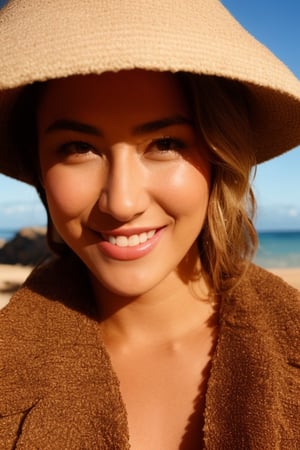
(276, 248)
(6, 233)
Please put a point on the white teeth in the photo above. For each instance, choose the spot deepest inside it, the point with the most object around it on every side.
(121, 241)
(131, 241)
(112, 240)
(143, 237)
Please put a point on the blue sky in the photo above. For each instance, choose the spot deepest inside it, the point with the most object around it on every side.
(277, 185)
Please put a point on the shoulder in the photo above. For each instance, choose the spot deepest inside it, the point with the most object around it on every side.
(47, 315)
(52, 307)
(261, 287)
(254, 384)
(52, 361)
(265, 279)
(267, 304)
(56, 297)
(262, 291)
(60, 283)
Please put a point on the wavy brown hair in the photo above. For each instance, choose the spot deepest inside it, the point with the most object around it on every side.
(222, 115)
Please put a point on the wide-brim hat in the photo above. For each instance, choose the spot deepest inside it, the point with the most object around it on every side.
(42, 40)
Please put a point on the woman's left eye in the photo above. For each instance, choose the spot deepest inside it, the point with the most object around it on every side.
(165, 144)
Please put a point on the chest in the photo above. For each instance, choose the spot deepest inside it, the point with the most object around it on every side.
(164, 392)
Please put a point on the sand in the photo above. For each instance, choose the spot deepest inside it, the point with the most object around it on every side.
(12, 276)
(290, 275)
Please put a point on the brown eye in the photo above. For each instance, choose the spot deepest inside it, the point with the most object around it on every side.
(169, 144)
(76, 147)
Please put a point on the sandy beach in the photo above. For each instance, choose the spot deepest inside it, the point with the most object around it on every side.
(290, 275)
(12, 276)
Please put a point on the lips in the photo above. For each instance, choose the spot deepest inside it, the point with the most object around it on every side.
(127, 245)
(130, 241)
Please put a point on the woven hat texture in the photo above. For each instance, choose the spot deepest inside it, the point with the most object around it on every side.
(47, 39)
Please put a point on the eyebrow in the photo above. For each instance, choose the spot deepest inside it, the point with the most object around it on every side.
(72, 125)
(159, 124)
(148, 127)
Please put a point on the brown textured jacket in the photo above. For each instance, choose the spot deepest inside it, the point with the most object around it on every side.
(58, 390)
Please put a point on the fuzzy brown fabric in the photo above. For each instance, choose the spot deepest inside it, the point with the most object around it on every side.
(58, 390)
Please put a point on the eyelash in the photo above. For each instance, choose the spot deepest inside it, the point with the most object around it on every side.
(165, 146)
(79, 147)
(173, 144)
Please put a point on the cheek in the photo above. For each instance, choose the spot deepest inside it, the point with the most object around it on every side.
(187, 189)
(68, 193)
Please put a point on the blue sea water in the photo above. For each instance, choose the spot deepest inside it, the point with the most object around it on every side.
(7, 233)
(276, 248)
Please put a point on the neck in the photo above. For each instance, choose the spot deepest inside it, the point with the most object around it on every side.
(163, 314)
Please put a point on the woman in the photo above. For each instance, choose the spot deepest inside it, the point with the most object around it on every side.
(150, 328)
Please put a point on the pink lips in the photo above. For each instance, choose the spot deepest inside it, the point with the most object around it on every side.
(129, 253)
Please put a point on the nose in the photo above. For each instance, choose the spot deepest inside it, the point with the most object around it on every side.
(123, 194)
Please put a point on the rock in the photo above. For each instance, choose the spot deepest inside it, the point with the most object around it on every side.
(28, 247)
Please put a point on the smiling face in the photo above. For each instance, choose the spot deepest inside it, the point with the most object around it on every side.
(125, 174)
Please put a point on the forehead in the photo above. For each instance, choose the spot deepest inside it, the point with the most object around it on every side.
(121, 92)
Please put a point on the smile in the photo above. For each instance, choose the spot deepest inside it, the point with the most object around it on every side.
(127, 246)
(130, 241)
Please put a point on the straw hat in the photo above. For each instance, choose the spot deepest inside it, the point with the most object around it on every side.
(41, 40)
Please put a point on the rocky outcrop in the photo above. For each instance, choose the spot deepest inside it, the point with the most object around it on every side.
(28, 247)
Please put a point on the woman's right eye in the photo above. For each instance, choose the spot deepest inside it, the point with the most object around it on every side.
(77, 151)
(76, 147)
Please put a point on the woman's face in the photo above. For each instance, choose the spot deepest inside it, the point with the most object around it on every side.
(125, 174)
